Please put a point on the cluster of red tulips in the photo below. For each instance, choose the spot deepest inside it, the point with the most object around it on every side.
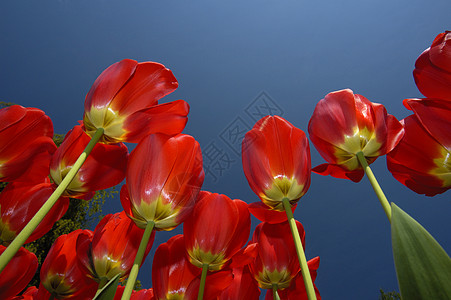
(214, 258)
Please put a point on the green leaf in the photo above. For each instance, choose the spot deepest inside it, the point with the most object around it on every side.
(422, 266)
(108, 291)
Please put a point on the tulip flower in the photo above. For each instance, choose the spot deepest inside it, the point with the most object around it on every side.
(432, 72)
(19, 202)
(25, 144)
(15, 277)
(276, 263)
(164, 176)
(421, 159)
(174, 277)
(297, 291)
(213, 238)
(345, 124)
(113, 248)
(61, 275)
(276, 161)
(104, 167)
(171, 270)
(124, 102)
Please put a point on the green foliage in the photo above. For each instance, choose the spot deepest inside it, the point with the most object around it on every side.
(389, 296)
(5, 104)
(422, 266)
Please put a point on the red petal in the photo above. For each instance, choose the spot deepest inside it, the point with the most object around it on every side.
(337, 171)
(18, 273)
(265, 214)
(168, 118)
(430, 80)
(150, 82)
(108, 84)
(434, 115)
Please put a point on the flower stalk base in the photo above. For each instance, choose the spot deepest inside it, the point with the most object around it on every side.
(300, 251)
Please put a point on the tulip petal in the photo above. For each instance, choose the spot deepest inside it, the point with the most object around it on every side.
(108, 84)
(434, 115)
(168, 118)
(150, 82)
(266, 214)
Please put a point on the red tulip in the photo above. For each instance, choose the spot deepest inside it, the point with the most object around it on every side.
(432, 72)
(164, 176)
(276, 261)
(18, 273)
(243, 287)
(344, 124)
(174, 277)
(421, 159)
(297, 291)
(113, 248)
(19, 202)
(25, 144)
(276, 161)
(171, 270)
(124, 102)
(104, 167)
(61, 274)
(213, 238)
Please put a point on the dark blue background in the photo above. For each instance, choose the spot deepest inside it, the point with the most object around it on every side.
(224, 55)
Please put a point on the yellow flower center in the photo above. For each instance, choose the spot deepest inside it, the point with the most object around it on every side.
(443, 170)
(362, 140)
(282, 187)
(75, 188)
(198, 258)
(267, 278)
(107, 119)
(159, 211)
(6, 234)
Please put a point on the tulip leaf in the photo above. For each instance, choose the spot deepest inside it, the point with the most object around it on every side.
(109, 289)
(422, 266)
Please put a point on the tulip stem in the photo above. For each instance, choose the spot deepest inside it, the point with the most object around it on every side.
(138, 260)
(20, 239)
(300, 251)
(275, 295)
(102, 283)
(203, 278)
(376, 187)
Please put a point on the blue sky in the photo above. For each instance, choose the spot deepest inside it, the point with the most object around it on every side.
(232, 58)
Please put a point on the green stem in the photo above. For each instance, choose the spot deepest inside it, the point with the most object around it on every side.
(300, 251)
(138, 260)
(102, 283)
(203, 278)
(275, 295)
(376, 187)
(20, 239)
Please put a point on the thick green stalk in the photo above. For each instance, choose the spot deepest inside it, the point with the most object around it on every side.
(20, 239)
(376, 187)
(300, 251)
(275, 295)
(138, 260)
(203, 277)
